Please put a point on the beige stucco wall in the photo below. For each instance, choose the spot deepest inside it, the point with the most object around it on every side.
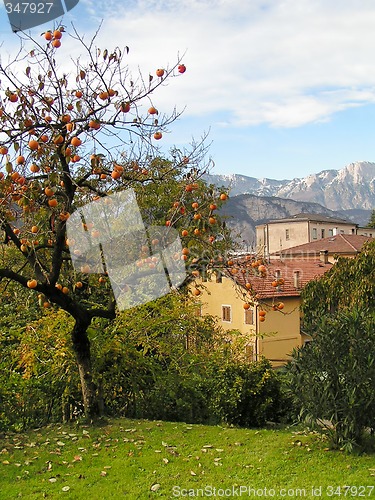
(277, 335)
(331, 256)
(366, 231)
(280, 333)
(215, 295)
(272, 237)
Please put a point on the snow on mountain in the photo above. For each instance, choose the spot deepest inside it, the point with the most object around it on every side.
(352, 187)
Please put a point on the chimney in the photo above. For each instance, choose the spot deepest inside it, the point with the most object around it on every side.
(323, 254)
(296, 280)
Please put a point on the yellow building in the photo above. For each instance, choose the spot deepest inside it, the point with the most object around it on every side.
(278, 235)
(279, 332)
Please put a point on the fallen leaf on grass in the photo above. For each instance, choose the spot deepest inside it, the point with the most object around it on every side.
(173, 452)
(103, 473)
(77, 458)
(52, 480)
(192, 473)
(165, 460)
(65, 488)
(155, 487)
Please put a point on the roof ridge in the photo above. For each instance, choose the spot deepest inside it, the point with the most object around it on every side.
(348, 242)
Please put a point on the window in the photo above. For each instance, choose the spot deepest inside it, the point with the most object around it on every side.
(314, 233)
(198, 310)
(323, 233)
(330, 232)
(287, 235)
(249, 317)
(226, 313)
(296, 279)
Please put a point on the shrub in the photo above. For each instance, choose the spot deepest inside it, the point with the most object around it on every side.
(158, 361)
(334, 376)
(177, 397)
(38, 379)
(245, 394)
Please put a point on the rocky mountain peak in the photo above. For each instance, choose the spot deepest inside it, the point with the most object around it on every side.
(352, 187)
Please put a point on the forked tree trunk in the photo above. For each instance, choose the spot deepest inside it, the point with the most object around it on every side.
(81, 346)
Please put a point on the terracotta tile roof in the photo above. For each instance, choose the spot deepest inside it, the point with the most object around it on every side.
(307, 270)
(340, 244)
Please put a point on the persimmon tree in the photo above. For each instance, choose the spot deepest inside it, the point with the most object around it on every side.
(72, 137)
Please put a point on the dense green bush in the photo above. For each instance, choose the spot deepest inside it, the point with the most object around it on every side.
(333, 377)
(37, 372)
(158, 361)
(177, 397)
(245, 394)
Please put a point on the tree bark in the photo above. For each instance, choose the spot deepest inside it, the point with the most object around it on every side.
(81, 346)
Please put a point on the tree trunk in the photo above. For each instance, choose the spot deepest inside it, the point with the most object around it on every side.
(81, 346)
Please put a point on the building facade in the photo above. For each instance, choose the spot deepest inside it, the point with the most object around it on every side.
(275, 336)
(278, 235)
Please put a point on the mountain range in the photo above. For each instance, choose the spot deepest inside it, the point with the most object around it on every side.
(348, 193)
(352, 187)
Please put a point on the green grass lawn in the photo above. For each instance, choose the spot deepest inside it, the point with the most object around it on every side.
(146, 459)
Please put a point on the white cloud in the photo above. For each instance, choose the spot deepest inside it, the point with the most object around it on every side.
(283, 63)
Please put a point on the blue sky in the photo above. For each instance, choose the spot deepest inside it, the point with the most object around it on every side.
(285, 88)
